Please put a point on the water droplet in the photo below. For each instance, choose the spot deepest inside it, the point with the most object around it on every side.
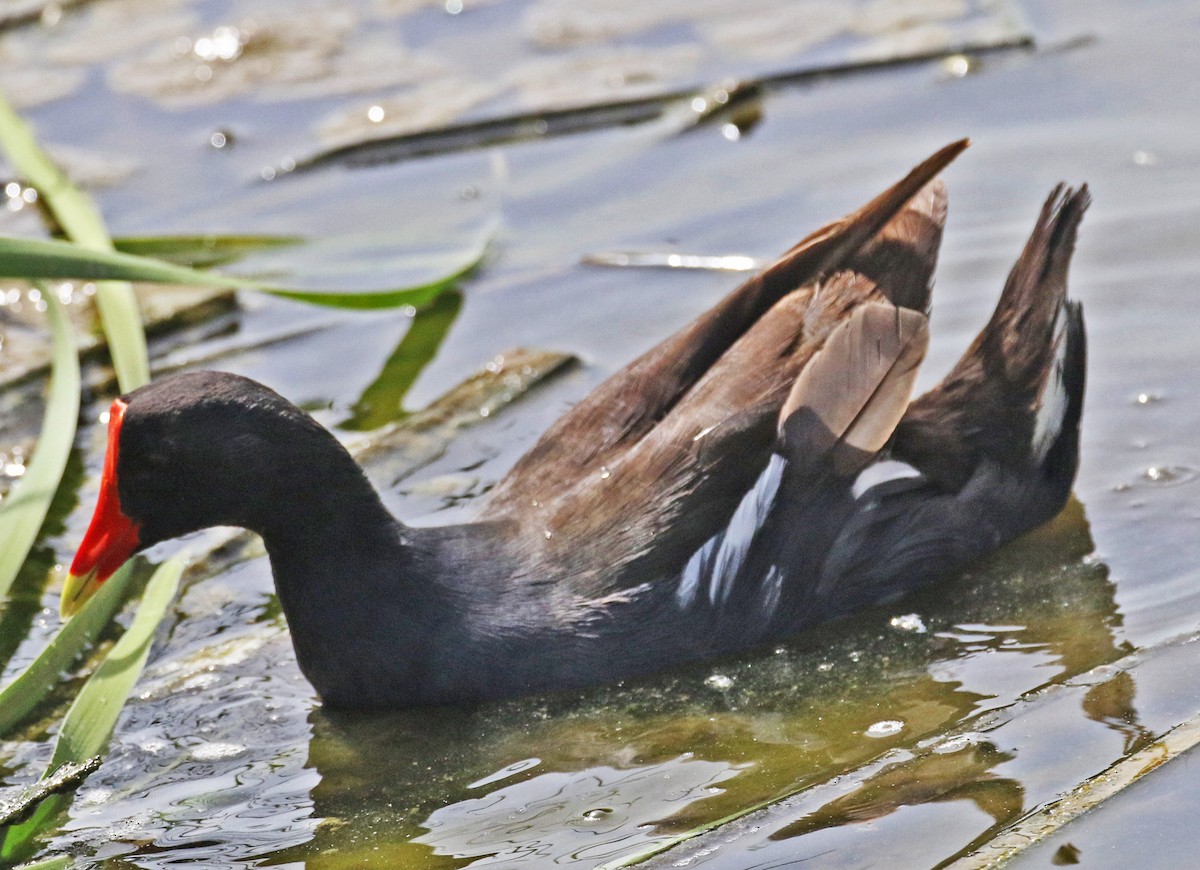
(1147, 398)
(908, 622)
(605, 474)
(957, 65)
(885, 728)
(825, 667)
(225, 43)
(1169, 475)
(1145, 158)
(375, 114)
(597, 814)
(719, 682)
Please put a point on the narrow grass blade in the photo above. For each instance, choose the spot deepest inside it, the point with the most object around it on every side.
(46, 258)
(121, 320)
(80, 220)
(71, 208)
(89, 722)
(29, 688)
(204, 251)
(24, 509)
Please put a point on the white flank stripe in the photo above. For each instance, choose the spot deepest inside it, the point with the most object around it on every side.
(1052, 406)
(720, 559)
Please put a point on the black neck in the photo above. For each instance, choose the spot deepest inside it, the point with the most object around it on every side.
(344, 570)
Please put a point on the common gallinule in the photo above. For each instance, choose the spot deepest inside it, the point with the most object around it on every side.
(760, 471)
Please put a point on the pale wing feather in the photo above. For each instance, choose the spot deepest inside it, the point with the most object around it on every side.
(847, 401)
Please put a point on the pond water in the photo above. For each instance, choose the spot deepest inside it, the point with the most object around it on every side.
(910, 735)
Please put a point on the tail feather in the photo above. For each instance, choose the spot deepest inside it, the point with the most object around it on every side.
(901, 259)
(996, 402)
(996, 443)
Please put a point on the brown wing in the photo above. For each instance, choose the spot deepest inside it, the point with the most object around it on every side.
(889, 239)
(656, 502)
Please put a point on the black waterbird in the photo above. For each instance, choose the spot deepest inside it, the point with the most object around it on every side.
(760, 471)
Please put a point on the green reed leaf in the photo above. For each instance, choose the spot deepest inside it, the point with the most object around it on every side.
(203, 251)
(24, 509)
(50, 259)
(80, 220)
(29, 688)
(89, 722)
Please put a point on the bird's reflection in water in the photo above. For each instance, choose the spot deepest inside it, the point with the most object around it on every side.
(597, 774)
(964, 773)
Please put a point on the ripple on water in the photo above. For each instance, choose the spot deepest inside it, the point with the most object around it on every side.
(169, 797)
(590, 815)
(507, 771)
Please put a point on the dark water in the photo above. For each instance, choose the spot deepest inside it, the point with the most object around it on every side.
(905, 735)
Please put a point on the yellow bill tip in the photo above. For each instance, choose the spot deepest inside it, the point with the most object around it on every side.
(76, 592)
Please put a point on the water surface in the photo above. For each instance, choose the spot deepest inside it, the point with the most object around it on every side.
(913, 732)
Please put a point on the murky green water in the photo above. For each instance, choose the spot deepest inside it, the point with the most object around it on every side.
(904, 736)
